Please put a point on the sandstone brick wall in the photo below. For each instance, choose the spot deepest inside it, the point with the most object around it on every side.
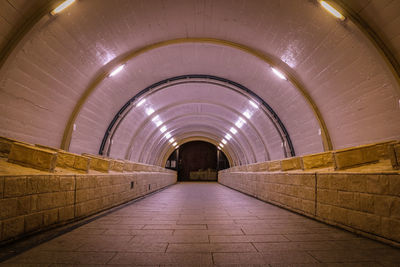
(366, 203)
(31, 203)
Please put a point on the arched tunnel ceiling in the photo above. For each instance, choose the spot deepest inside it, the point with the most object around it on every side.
(337, 74)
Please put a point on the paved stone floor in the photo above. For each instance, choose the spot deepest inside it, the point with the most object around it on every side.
(202, 224)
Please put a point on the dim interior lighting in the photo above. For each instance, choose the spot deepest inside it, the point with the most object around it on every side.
(247, 114)
(174, 144)
(332, 10)
(240, 122)
(224, 141)
(163, 129)
(141, 102)
(149, 111)
(253, 104)
(116, 70)
(228, 137)
(62, 6)
(167, 135)
(233, 130)
(279, 74)
(171, 140)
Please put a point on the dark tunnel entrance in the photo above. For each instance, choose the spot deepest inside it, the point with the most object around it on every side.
(197, 161)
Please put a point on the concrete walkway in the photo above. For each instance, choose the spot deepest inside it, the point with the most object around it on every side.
(201, 224)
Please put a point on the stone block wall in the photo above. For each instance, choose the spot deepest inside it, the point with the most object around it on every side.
(365, 203)
(30, 203)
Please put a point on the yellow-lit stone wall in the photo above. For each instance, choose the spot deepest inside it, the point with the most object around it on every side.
(30, 203)
(366, 203)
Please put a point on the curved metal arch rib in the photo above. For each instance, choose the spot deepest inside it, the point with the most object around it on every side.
(105, 144)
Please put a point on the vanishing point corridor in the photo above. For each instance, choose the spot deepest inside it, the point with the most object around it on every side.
(203, 224)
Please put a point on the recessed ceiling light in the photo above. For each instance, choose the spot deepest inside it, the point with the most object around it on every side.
(221, 145)
(224, 141)
(247, 114)
(116, 70)
(279, 74)
(167, 135)
(228, 136)
(240, 122)
(332, 10)
(171, 140)
(163, 129)
(149, 111)
(233, 130)
(62, 6)
(141, 102)
(174, 144)
(253, 104)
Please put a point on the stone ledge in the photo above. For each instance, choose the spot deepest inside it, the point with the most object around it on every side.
(394, 154)
(355, 156)
(274, 165)
(294, 163)
(33, 157)
(98, 163)
(318, 160)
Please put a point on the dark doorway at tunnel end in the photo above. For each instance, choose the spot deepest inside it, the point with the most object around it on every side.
(197, 161)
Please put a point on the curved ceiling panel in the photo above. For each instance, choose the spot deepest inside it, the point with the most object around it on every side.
(181, 104)
(226, 62)
(337, 74)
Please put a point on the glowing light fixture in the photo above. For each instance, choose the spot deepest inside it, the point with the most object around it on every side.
(163, 129)
(171, 140)
(228, 136)
(116, 70)
(253, 104)
(332, 10)
(157, 120)
(149, 111)
(167, 135)
(62, 6)
(279, 74)
(233, 130)
(240, 122)
(141, 102)
(221, 145)
(247, 114)
(224, 141)
(174, 144)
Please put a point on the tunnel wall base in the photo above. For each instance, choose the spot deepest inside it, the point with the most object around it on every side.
(364, 203)
(33, 203)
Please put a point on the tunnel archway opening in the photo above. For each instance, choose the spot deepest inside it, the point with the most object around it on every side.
(197, 161)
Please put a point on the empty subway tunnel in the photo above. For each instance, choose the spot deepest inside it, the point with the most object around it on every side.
(305, 106)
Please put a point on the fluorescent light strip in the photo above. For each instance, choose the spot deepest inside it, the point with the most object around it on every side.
(61, 7)
(224, 141)
(247, 114)
(279, 74)
(332, 10)
(253, 104)
(240, 122)
(163, 129)
(116, 70)
(233, 130)
(167, 135)
(228, 136)
(221, 145)
(174, 144)
(141, 102)
(171, 140)
(149, 111)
